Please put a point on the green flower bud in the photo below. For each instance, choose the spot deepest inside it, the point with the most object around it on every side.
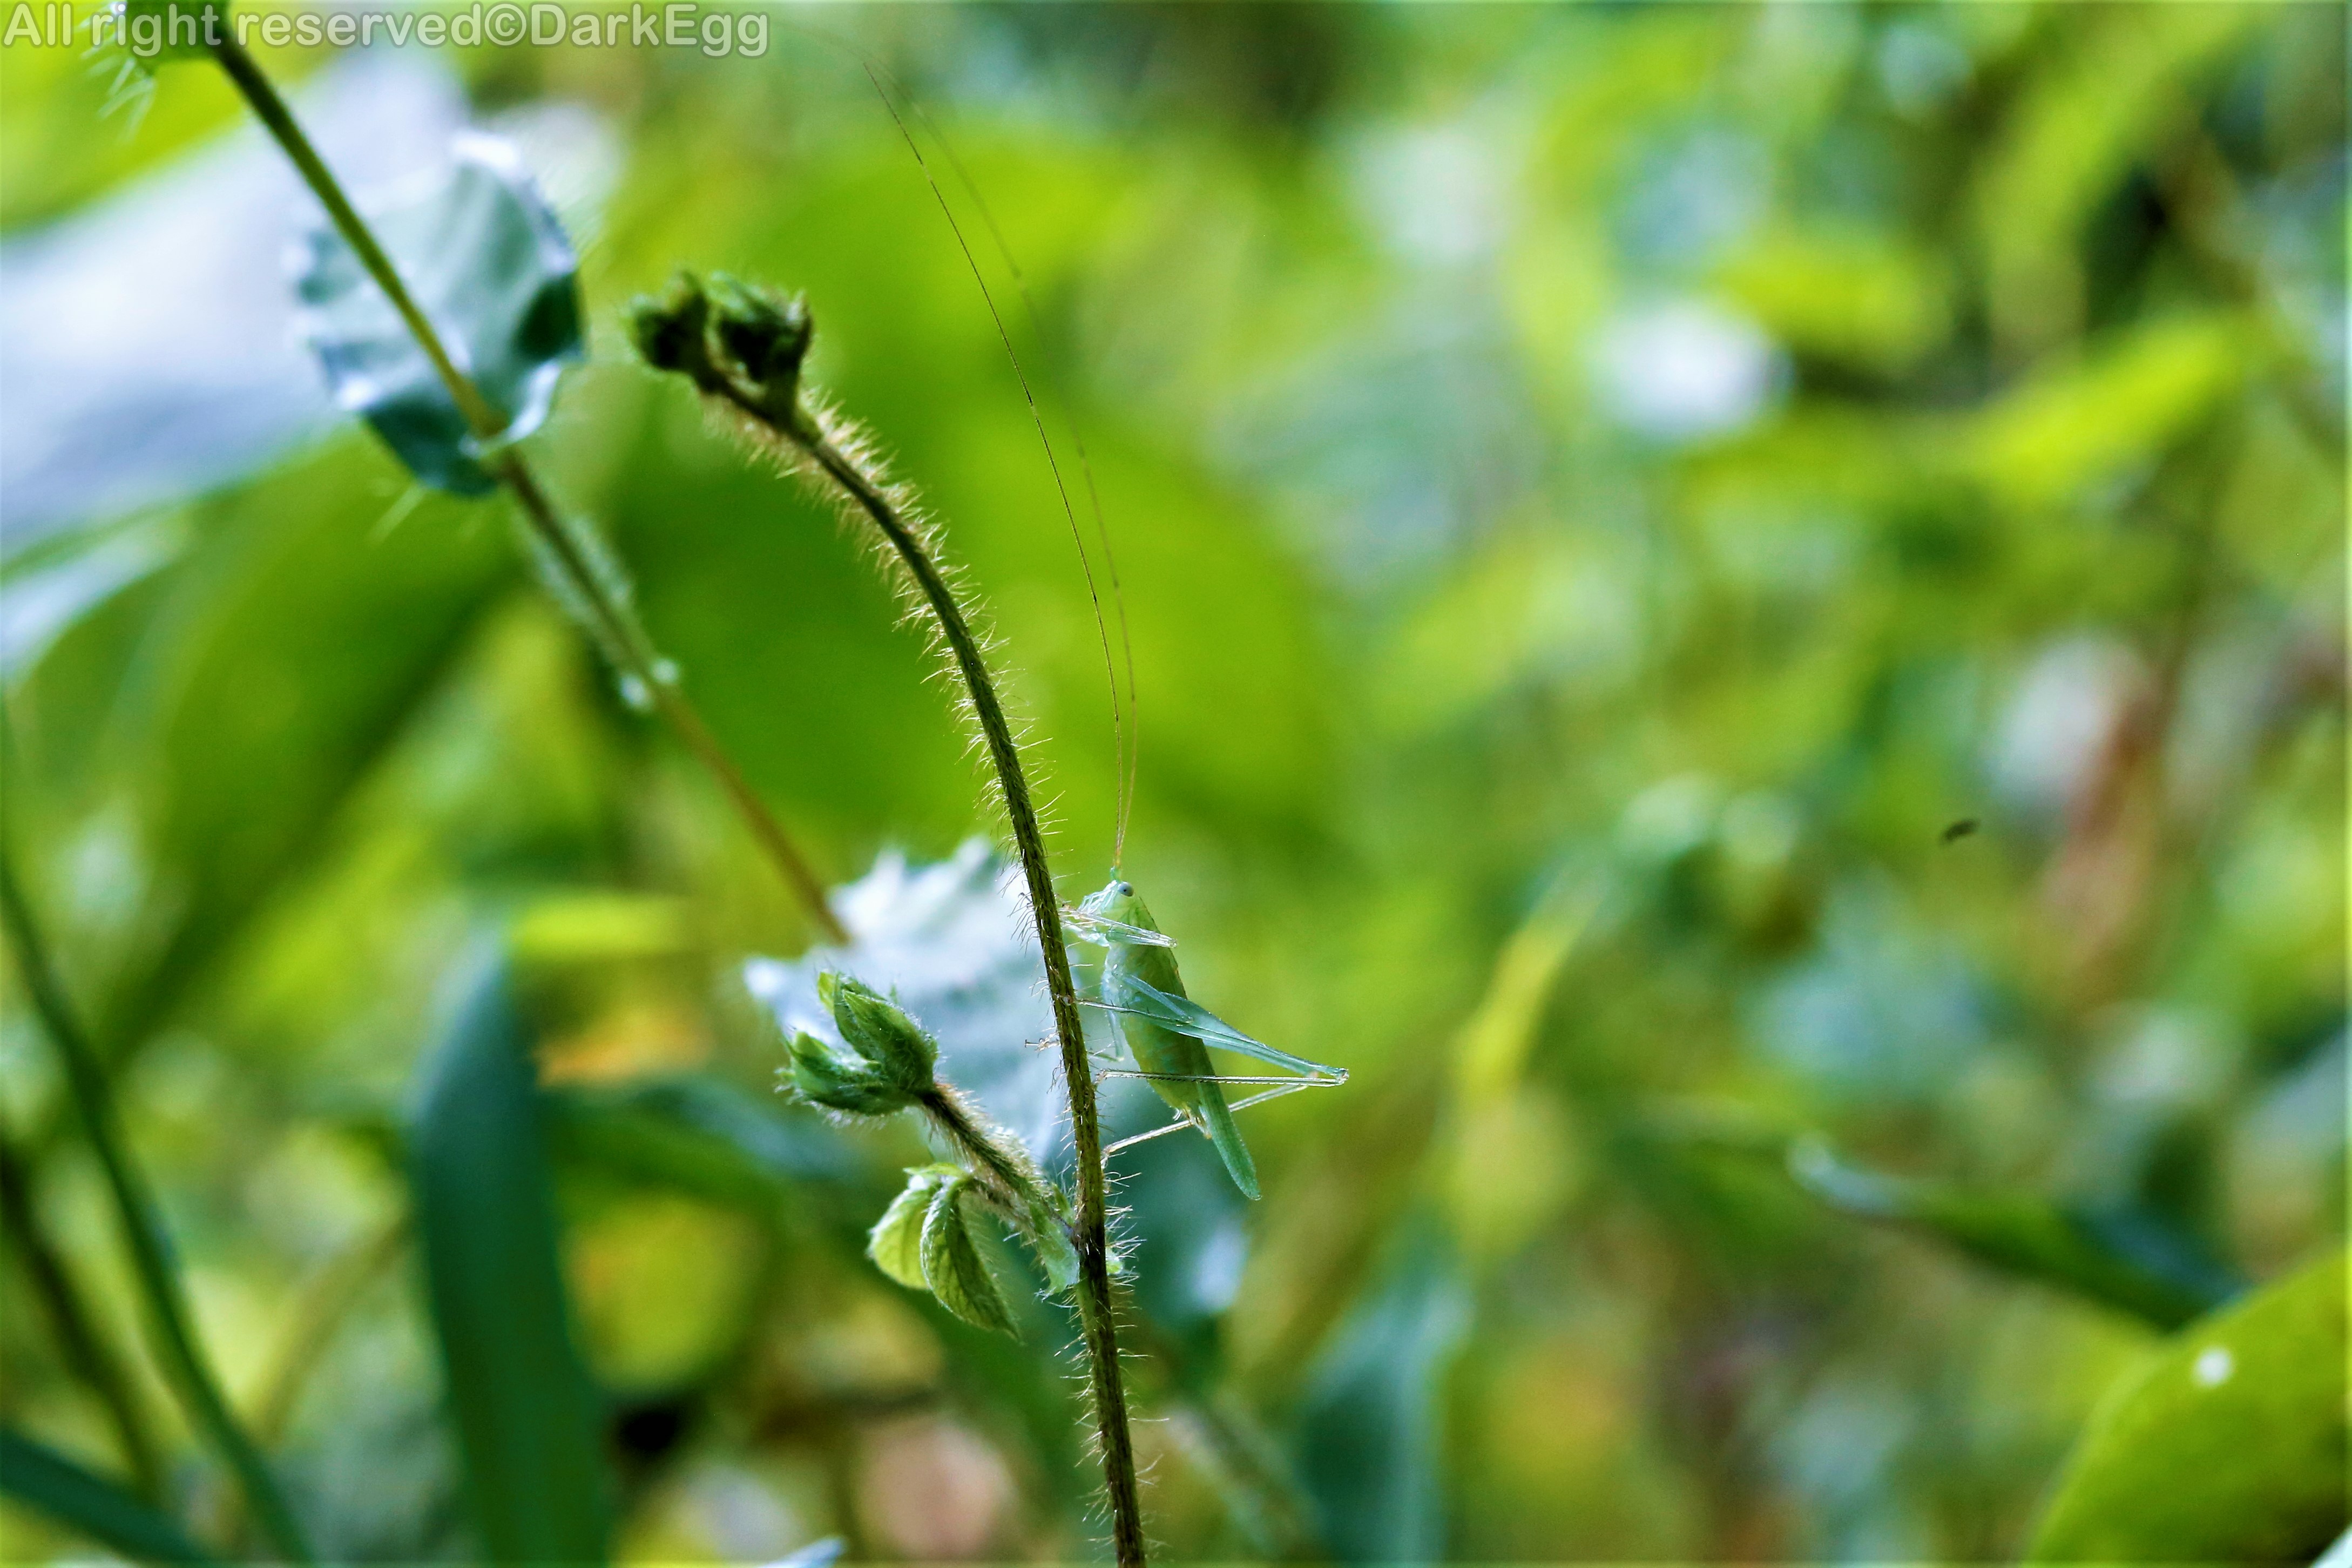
(764, 339)
(672, 332)
(840, 1082)
(880, 1030)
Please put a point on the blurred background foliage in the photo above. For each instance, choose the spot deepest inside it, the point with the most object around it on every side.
(1740, 608)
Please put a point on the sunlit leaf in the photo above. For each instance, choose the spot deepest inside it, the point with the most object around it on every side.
(2068, 428)
(486, 260)
(527, 1419)
(189, 377)
(2228, 1447)
(951, 941)
(42, 598)
(288, 653)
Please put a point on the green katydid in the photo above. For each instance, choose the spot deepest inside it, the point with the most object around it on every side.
(1169, 1034)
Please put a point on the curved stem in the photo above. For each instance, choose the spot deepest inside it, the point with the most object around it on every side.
(617, 627)
(1015, 1179)
(168, 1317)
(1095, 1307)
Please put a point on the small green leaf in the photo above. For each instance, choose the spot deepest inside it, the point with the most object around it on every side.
(952, 1266)
(528, 1419)
(486, 260)
(38, 1475)
(2228, 1447)
(895, 1243)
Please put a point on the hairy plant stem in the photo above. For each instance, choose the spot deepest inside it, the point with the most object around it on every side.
(617, 630)
(1009, 1175)
(168, 1317)
(87, 1349)
(1096, 1318)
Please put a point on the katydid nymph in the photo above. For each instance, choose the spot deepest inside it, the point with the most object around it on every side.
(1169, 1035)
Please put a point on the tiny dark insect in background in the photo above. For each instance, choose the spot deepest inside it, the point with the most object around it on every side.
(1958, 830)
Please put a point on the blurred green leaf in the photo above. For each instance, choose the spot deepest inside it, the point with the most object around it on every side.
(2139, 1268)
(291, 653)
(2230, 1446)
(39, 1475)
(486, 260)
(2097, 94)
(1370, 1447)
(599, 925)
(1854, 295)
(47, 591)
(2065, 430)
(699, 1134)
(527, 1417)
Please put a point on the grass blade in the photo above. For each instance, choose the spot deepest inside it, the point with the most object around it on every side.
(528, 1419)
(40, 1476)
(168, 1317)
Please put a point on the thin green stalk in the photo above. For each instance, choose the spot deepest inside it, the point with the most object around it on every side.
(617, 630)
(1095, 1307)
(168, 1317)
(766, 344)
(84, 1343)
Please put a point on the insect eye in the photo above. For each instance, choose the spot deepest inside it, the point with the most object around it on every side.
(1126, 889)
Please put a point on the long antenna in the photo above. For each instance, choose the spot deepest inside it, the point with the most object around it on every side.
(1126, 799)
(1122, 772)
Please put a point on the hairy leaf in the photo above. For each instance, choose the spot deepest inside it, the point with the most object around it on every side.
(951, 943)
(895, 1243)
(952, 1266)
